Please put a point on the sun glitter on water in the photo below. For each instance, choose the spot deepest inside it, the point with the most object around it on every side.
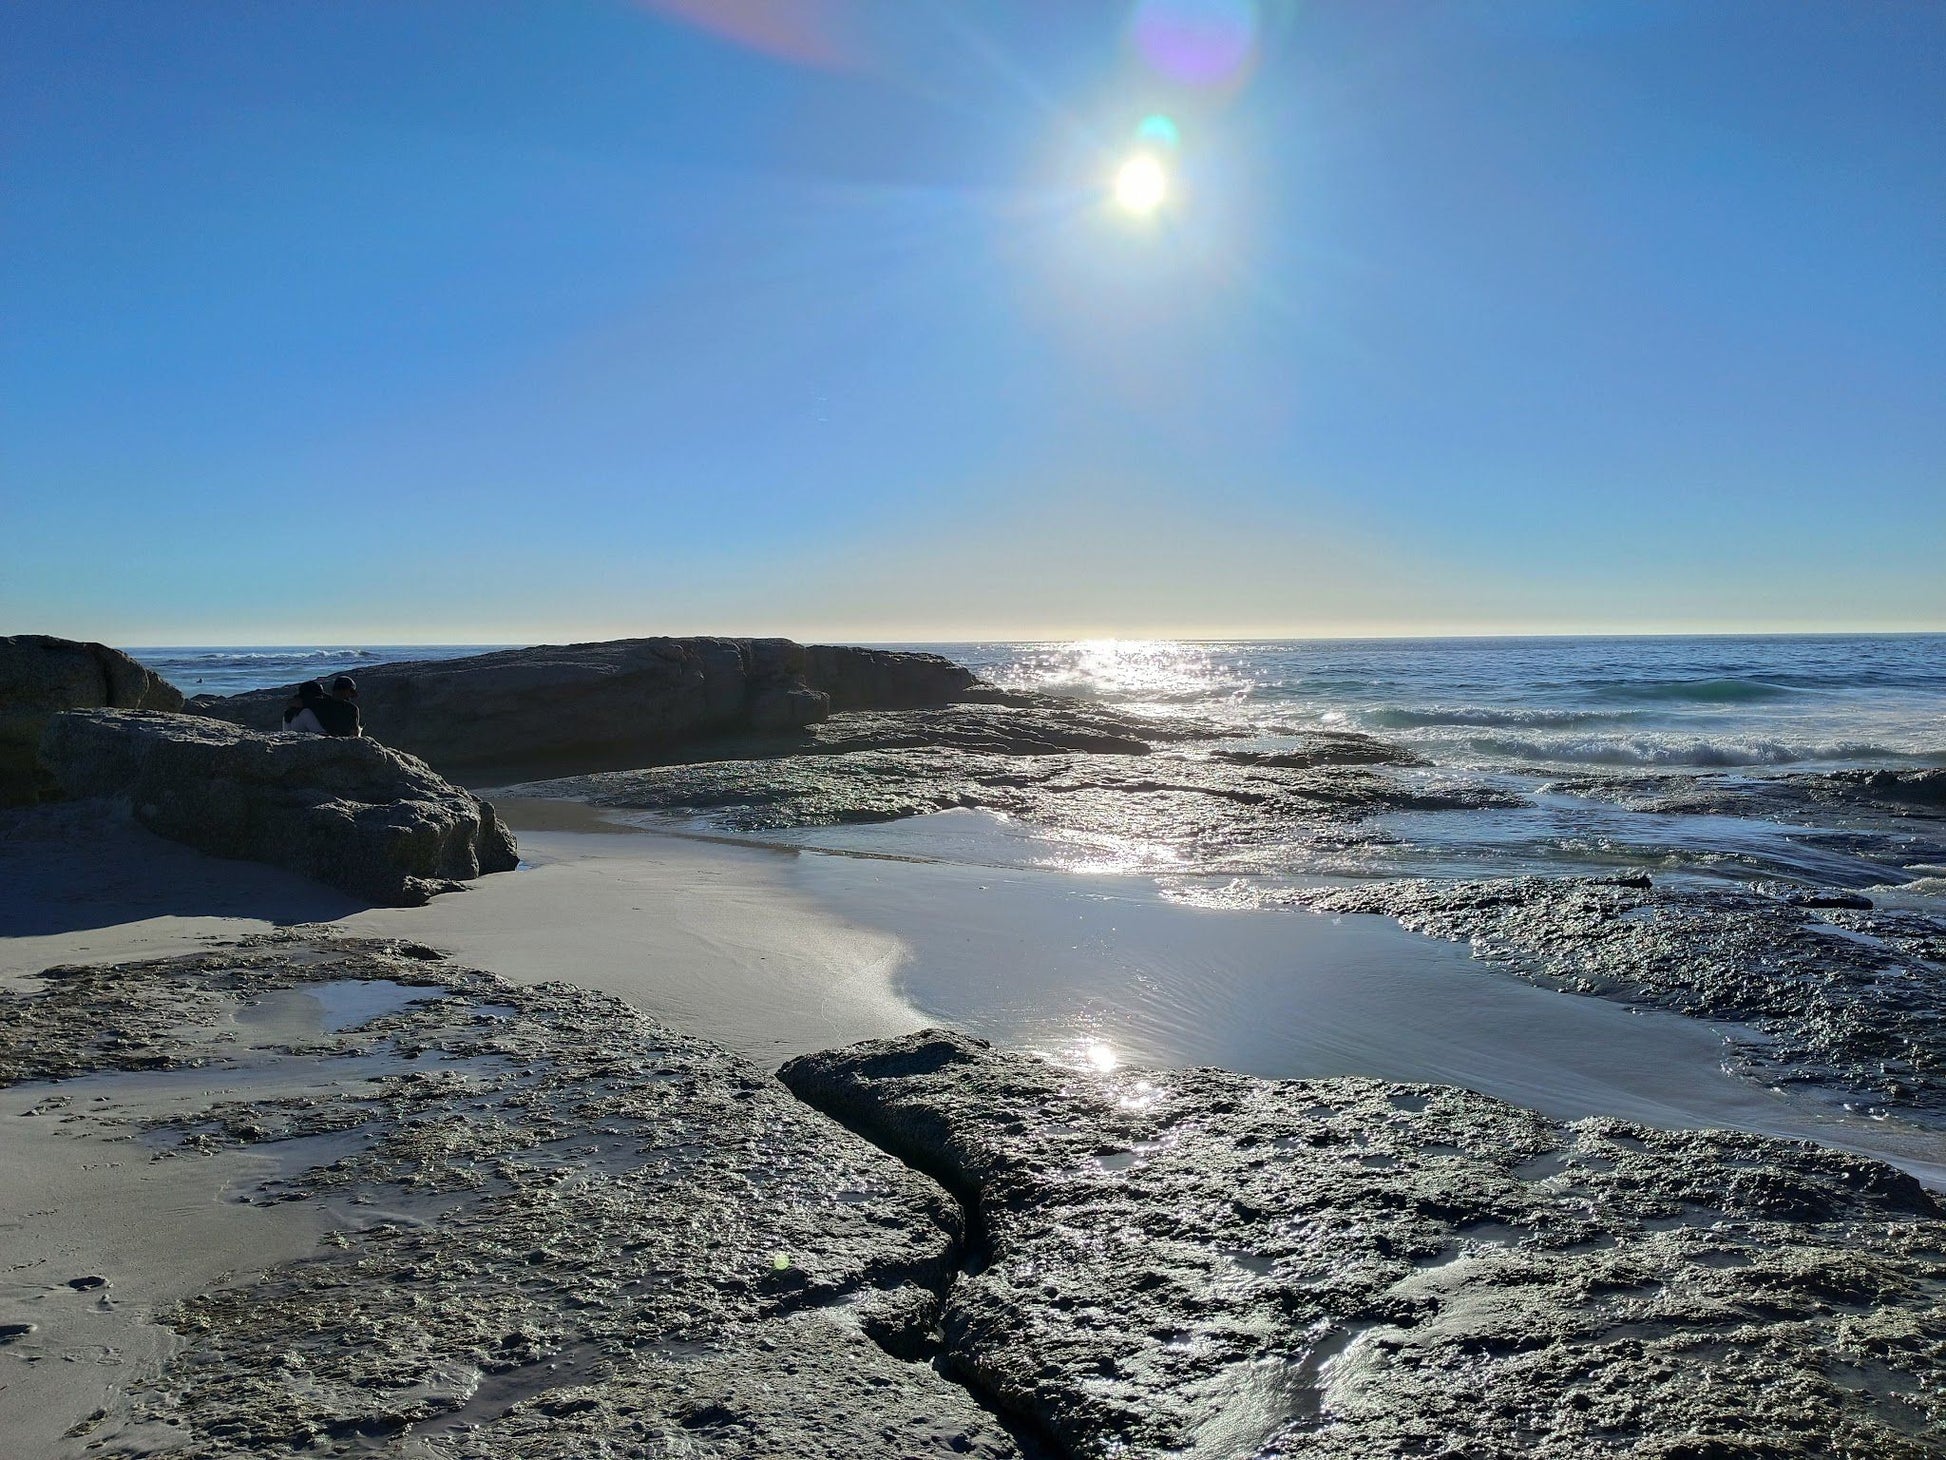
(1141, 185)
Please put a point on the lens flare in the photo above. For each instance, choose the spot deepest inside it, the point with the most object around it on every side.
(806, 32)
(1197, 42)
(1159, 130)
(1141, 185)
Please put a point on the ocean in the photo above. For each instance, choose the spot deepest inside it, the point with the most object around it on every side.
(232, 669)
(1597, 740)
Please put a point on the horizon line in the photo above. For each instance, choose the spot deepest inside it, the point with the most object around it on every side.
(862, 641)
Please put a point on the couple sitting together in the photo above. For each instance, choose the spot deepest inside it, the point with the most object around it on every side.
(313, 712)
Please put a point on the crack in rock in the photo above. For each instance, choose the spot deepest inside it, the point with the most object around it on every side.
(559, 1229)
(1198, 1263)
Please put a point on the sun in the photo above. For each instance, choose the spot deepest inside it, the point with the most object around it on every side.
(1141, 185)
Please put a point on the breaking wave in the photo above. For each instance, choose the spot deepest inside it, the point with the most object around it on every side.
(1652, 750)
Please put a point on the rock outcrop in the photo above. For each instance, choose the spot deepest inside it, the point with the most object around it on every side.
(1195, 1262)
(551, 1228)
(1922, 790)
(881, 679)
(351, 813)
(618, 702)
(40, 677)
(1900, 801)
(1075, 773)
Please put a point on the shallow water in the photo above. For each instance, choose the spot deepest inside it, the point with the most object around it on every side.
(1693, 759)
(1102, 971)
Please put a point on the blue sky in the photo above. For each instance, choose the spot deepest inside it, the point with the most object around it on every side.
(449, 321)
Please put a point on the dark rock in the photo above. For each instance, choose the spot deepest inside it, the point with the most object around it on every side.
(1207, 810)
(882, 679)
(40, 677)
(1197, 1262)
(10, 1332)
(659, 1180)
(624, 701)
(1325, 747)
(994, 730)
(1924, 790)
(1795, 894)
(1888, 799)
(349, 812)
(86, 1284)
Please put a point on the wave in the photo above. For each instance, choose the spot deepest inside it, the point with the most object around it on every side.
(1696, 691)
(1397, 718)
(244, 658)
(1643, 750)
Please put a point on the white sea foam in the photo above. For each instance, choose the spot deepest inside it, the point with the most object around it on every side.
(1679, 750)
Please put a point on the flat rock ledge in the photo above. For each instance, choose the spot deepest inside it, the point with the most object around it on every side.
(1087, 771)
(556, 1229)
(349, 812)
(1198, 1263)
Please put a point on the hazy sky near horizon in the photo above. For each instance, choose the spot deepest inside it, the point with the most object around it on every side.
(442, 321)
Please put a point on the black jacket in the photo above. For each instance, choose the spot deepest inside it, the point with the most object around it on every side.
(339, 717)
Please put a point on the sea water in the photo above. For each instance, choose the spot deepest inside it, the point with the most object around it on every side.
(1703, 702)
(234, 669)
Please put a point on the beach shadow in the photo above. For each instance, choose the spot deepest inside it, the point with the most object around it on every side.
(79, 867)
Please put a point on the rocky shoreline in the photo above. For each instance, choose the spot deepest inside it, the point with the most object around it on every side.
(536, 1222)
(547, 1223)
(371, 815)
(1196, 1262)
(1823, 988)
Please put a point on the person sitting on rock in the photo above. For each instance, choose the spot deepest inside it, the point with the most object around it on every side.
(337, 712)
(300, 715)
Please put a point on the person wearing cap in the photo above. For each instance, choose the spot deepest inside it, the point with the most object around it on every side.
(337, 712)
